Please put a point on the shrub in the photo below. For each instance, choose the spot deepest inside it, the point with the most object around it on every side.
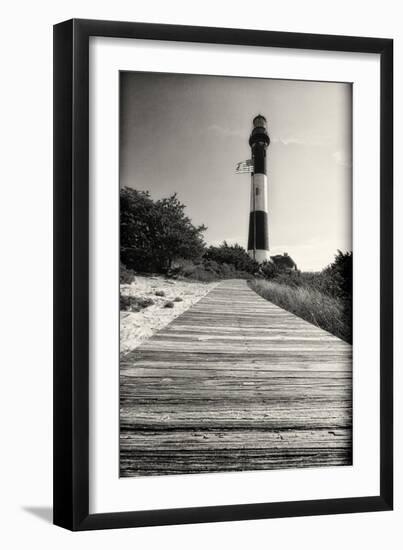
(134, 303)
(234, 255)
(199, 273)
(335, 280)
(159, 293)
(227, 271)
(268, 270)
(339, 275)
(211, 265)
(169, 304)
(126, 276)
(178, 299)
(190, 270)
(206, 270)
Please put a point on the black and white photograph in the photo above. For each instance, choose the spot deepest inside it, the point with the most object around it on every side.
(200, 295)
(235, 274)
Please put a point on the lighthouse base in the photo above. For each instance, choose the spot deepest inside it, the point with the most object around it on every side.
(259, 255)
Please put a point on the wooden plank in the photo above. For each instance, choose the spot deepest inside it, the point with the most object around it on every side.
(235, 383)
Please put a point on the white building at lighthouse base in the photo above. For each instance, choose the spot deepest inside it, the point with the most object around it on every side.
(259, 255)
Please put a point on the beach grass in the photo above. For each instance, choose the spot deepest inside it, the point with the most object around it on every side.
(316, 307)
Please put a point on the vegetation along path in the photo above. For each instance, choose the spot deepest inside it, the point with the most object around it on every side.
(235, 383)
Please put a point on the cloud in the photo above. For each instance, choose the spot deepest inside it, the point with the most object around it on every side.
(308, 140)
(288, 141)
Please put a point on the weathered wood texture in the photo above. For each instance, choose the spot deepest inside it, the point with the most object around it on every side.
(235, 383)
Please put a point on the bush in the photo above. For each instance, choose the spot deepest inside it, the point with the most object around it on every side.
(169, 304)
(206, 271)
(134, 304)
(190, 270)
(268, 270)
(159, 293)
(126, 276)
(234, 255)
(339, 275)
(278, 265)
(199, 273)
(335, 280)
(227, 271)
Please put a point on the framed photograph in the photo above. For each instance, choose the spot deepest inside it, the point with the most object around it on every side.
(223, 321)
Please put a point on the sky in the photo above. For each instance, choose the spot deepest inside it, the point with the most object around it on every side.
(185, 134)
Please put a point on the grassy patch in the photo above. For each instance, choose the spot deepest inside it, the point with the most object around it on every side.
(327, 312)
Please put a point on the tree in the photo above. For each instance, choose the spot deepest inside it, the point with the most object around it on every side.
(154, 233)
(176, 236)
(339, 275)
(136, 213)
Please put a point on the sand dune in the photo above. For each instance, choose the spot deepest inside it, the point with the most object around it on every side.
(135, 327)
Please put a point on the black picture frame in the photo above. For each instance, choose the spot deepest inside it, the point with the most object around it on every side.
(71, 274)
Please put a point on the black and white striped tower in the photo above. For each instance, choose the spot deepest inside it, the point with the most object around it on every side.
(258, 241)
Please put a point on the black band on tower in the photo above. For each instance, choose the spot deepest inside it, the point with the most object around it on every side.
(258, 219)
(259, 159)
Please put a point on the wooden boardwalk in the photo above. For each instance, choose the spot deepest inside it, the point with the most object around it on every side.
(235, 383)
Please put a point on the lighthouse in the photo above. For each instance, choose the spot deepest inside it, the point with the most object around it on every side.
(258, 239)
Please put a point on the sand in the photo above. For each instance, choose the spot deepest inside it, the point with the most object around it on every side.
(136, 327)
